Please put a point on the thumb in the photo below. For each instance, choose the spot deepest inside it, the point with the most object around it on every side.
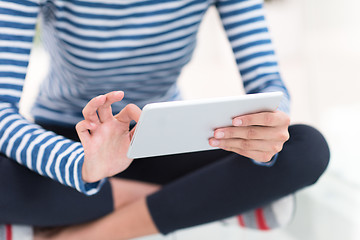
(128, 113)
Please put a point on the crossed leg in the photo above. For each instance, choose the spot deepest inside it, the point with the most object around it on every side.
(221, 185)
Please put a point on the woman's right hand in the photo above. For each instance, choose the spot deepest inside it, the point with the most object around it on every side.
(105, 137)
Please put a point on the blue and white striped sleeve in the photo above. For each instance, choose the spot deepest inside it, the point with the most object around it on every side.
(247, 31)
(42, 151)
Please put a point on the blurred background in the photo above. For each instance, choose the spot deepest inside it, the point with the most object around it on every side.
(317, 44)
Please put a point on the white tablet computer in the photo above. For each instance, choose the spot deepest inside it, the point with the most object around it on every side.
(186, 126)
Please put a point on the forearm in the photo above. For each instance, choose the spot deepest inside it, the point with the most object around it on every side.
(42, 151)
(246, 28)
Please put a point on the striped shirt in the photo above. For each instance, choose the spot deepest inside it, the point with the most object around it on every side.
(98, 46)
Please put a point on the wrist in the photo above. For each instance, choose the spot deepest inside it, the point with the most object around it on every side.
(90, 175)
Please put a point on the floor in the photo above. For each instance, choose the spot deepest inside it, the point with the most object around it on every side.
(319, 58)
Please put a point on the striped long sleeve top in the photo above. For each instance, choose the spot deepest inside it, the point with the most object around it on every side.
(97, 46)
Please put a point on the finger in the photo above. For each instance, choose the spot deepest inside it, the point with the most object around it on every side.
(104, 111)
(83, 128)
(128, 113)
(271, 119)
(89, 111)
(255, 155)
(251, 132)
(248, 145)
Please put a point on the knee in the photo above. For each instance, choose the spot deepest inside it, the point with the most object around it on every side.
(312, 152)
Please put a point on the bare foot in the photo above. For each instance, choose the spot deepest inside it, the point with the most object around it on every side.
(127, 191)
(61, 233)
(131, 221)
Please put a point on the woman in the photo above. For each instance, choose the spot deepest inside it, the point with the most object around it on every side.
(138, 47)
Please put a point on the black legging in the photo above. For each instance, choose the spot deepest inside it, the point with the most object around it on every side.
(197, 187)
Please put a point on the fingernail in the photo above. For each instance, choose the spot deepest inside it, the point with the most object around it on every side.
(214, 142)
(219, 134)
(100, 96)
(237, 122)
(92, 124)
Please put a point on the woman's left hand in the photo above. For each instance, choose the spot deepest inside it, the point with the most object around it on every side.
(258, 136)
